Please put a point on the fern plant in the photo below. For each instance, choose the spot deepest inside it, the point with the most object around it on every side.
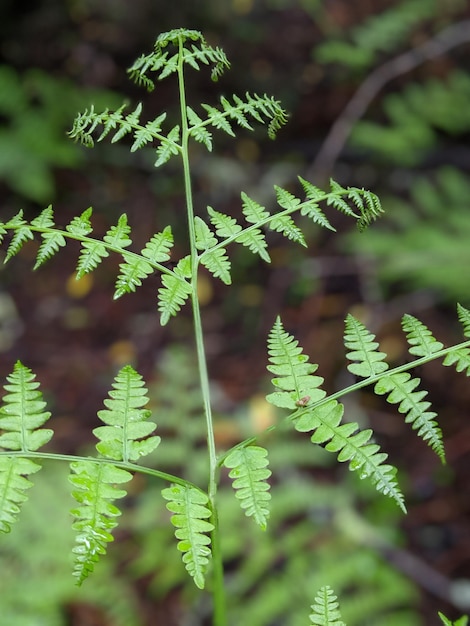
(127, 433)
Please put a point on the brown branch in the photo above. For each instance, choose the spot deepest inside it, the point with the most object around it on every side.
(333, 144)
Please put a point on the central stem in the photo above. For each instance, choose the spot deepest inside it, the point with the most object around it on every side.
(218, 590)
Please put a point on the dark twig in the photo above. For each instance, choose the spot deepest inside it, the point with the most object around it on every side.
(449, 38)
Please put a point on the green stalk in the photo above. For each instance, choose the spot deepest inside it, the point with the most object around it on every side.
(218, 589)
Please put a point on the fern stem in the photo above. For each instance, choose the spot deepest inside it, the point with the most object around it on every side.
(218, 589)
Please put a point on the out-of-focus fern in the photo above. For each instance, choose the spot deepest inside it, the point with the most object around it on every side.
(21, 416)
(248, 470)
(462, 621)
(325, 609)
(190, 513)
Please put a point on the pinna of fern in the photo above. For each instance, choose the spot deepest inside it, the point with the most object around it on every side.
(125, 437)
(325, 609)
(21, 416)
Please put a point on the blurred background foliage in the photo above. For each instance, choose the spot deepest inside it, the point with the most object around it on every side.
(408, 143)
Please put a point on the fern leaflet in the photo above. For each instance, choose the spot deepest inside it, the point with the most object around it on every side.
(216, 261)
(157, 250)
(294, 372)
(401, 389)
(461, 357)
(91, 255)
(249, 473)
(169, 146)
(419, 337)
(51, 244)
(197, 129)
(132, 272)
(462, 621)
(225, 226)
(363, 349)
(464, 318)
(20, 418)
(190, 514)
(126, 434)
(95, 490)
(325, 609)
(20, 236)
(175, 290)
(351, 445)
(81, 225)
(311, 209)
(117, 236)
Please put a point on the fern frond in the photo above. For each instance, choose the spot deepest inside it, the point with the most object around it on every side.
(364, 349)
(117, 236)
(22, 233)
(419, 337)
(352, 445)
(23, 412)
(252, 210)
(325, 609)
(131, 273)
(197, 130)
(91, 255)
(225, 226)
(126, 435)
(169, 146)
(260, 108)
(249, 474)
(255, 241)
(209, 56)
(464, 319)
(14, 471)
(190, 514)
(95, 491)
(401, 389)
(21, 416)
(81, 226)
(295, 374)
(51, 244)
(45, 219)
(175, 291)
(216, 261)
(157, 250)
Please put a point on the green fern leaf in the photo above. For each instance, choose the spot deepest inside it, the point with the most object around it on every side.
(464, 318)
(364, 350)
(175, 291)
(3, 232)
(157, 250)
(14, 471)
(253, 211)
(23, 412)
(218, 120)
(117, 236)
(420, 337)
(311, 209)
(51, 244)
(126, 436)
(258, 107)
(255, 241)
(95, 491)
(295, 374)
(216, 261)
(284, 224)
(190, 514)
(126, 124)
(151, 131)
(22, 233)
(45, 219)
(198, 130)
(80, 226)
(21, 416)
(91, 255)
(168, 147)
(225, 226)
(325, 609)
(460, 358)
(401, 389)
(352, 445)
(249, 473)
(132, 272)
(208, 55)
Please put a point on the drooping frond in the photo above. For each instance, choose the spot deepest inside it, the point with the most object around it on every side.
(249, 473)
(21, 416)
(325, 609)
(363, 349)
(126, 436)
(175, 290)
(401, 389)
(294, 374)
(419, 337)
(352, 445)
(190, 515)
(95, 491)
